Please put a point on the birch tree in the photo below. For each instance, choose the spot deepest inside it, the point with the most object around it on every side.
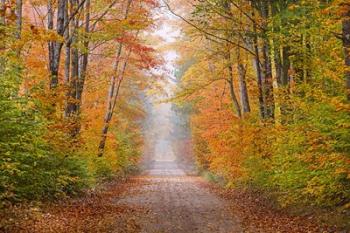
(114, 88)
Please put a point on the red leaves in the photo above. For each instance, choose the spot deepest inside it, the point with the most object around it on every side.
(142, 56)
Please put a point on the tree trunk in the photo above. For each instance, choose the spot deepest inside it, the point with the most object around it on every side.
(78, 74)
(268, 79)
(85, 56)
(346, 44)
(19, 7)
(2, 12)
(258, 68)
(50, 16)
(285, 67)
(278, 65)
(305, 71)
(67, 62)
(55, 47)
(72, 102)
(2, 23)
(113, 94)
(68, 49)
(236, 105)
(230, 80)
(262, 106)
(268, 83)
(243, 83)
(114, 88)
(259, 74)
(74, 62)
(243, 88)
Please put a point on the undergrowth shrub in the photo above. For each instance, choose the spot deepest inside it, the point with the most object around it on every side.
(39, 160)
(302, 161)
(29, 168)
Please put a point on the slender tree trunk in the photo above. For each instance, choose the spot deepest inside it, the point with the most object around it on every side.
(285, 67)
(74, 79)
(304, 48)
(85, 56)
(268, 79)
(2, 23)
(282, 66)
(258, 68)
(67, 49)
(74, 65)
(230, 80)
(236, 105)
(112, 101)
(114, 88)
(19, 7)
(67, 62)
(67, 67)
(243, 88)
(278, 65)
(268, 83)
(50, 16)
(55, 47)
(346, 44)
(2, 12)
(243, 83)
(241, 68)
(78, 73)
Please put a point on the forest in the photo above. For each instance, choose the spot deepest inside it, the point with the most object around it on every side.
(262, 88)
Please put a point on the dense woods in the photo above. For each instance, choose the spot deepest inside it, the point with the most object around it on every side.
(71, 79)
(265, 85)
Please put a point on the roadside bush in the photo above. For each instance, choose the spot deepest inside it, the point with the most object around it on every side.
(29, 168)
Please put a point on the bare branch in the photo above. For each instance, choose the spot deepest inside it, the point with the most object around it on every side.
(205, 32)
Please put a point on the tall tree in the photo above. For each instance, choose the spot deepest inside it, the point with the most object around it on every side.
(2, 11)
(264, 7)
(231, 82)
(345, 8)
(114, 88)
(72, 104)
(55, 47)
(242, 73)
(19, 8)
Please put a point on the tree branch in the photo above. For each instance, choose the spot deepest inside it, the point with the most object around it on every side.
(205, 32)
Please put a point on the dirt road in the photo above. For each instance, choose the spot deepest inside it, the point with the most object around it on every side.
(165, 198)
(173, 202)
(171, 199)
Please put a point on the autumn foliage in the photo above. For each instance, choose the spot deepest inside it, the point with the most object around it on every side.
(52, 116)
(265, 84)
(292, 140)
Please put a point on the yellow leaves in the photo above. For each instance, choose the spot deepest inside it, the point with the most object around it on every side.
(314, 187)
(341, 106)
(293, 7)
(47, 35)
(342, 170)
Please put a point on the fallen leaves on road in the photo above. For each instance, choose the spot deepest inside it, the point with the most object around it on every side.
(95, 212)
(257, 215)
(99, 211)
